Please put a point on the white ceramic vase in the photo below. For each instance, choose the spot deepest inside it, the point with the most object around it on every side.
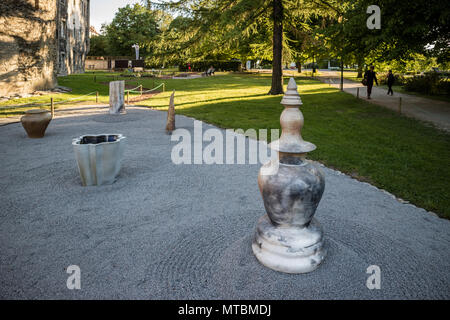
(99, 157)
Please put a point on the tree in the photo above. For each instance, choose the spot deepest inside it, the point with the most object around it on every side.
(420, 26)
(231, 23)
(277, 70)
(132, 24)
(99, 46)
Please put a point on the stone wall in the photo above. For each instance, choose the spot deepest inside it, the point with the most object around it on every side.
(27, 45)
(40, 39)
(96, 64)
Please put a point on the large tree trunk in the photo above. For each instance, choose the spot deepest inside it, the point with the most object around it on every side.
(360, 66)
(277, 71)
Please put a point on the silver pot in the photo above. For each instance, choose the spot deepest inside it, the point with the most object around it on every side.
(99, 157)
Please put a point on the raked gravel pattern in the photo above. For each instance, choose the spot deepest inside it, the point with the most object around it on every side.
(166, 231)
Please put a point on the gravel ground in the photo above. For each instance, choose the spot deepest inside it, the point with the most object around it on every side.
(165, 231)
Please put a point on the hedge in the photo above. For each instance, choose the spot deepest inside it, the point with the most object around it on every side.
(203, 66)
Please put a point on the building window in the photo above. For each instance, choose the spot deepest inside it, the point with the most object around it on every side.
(63, 29)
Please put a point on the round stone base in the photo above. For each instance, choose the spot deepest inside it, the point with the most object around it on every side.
(289, 249)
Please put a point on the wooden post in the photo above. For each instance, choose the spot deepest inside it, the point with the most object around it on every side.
(400, 105)
(96, 97)
(128, 97)
(141, 89)
(52, 107)
(164, 86)
(357, 93)
(170, 126)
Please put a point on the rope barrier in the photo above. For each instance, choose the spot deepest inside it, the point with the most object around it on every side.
(76, 98)
(130, 90)
(45, 104)
(146, 90)
(72, 99)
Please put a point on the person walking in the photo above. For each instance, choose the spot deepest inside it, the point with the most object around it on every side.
(369, 77)
(390, 82)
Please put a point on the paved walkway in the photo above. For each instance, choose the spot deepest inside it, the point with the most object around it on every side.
(434, 111)
(166, 231)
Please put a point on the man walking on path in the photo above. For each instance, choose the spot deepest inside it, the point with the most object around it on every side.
(370, 76)
(390, 82)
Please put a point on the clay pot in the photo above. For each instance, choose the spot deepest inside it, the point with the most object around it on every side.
(35, 122)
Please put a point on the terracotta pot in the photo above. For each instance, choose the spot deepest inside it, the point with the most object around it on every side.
(35, 122)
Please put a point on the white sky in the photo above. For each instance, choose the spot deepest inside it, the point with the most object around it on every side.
(104, 10)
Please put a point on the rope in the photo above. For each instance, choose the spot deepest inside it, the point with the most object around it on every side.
(71, 99)
(25, 105)
(146, 90)
(45, 104)
(76, 98)
(133, 89)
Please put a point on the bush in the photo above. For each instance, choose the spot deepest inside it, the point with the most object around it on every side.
(382, 78)
(202, 66)
(266, 65)
(428, 83)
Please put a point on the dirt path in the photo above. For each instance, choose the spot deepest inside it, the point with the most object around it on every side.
(434, 111)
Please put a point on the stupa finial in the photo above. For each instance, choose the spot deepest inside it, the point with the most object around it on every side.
(291, 121)
(291, 97)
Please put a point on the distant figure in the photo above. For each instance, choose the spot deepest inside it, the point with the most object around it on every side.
(370, 76)
(210, 71)
(390, 82)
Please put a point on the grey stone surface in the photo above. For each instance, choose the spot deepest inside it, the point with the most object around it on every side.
(185, 231)
(116, 97)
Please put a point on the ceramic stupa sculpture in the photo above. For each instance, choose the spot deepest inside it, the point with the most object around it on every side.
(288, 238)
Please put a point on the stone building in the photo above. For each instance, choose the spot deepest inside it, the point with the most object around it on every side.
(40, 39)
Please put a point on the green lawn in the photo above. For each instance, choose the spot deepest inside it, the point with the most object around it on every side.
(371, 143)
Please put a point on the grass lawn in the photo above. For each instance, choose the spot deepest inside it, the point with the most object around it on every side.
(371, 143)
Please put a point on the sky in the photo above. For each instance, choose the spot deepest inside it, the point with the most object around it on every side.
(104, 10)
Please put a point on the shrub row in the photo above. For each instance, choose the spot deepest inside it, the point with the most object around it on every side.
(430, 83)
(202, 66)
(382, 78)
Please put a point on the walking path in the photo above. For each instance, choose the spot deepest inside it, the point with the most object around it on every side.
(434, 111)
(167, 231)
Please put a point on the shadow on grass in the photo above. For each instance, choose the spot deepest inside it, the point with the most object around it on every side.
(371, 143)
